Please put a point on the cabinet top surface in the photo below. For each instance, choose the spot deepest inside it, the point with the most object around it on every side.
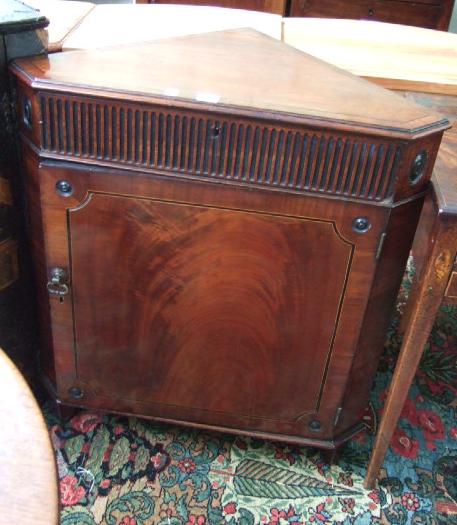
(239, 69)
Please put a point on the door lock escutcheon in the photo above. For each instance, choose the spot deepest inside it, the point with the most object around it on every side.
(58, 282)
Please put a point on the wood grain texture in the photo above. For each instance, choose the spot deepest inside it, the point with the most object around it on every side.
(445, 105)
(39, 277)
(28, 471)
(433, 14)
(399, 235)
(312, 92)
(394, 56)
(233, 323)
(275, 210)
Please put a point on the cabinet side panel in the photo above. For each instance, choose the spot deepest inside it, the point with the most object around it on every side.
(394, 255)
(36, 238)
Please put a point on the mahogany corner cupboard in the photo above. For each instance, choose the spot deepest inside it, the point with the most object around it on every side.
(220, 224)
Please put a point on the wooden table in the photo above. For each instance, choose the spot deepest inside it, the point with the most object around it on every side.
(435, 252)
(422, 65)
(391, 55)
(127, 24)
(28, 476)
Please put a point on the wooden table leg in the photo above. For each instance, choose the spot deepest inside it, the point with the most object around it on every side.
(430, 288)
(420, 251)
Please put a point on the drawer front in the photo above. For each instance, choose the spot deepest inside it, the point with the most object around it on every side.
(398, 12)
(218, 148)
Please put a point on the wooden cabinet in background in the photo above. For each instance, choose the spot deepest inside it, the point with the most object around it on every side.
(217, 244)
(432, 14)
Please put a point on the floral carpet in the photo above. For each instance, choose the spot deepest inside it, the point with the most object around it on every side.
(126, 471)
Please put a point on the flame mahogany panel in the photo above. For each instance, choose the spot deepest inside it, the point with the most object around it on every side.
(207, 308)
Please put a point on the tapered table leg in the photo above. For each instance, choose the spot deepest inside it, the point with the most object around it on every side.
(429, 292)
(420, 251)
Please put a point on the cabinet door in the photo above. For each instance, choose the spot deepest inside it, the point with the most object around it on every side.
(196, 302)
(204, 308)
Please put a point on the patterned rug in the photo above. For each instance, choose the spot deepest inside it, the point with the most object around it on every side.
(127, 471)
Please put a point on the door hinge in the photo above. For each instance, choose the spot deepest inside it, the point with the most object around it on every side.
(337, 416)
(380, 245)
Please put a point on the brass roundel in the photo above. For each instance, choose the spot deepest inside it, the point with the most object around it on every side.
(418, 167)
(314, 425)
(64, 188)
(75, 392)
(27, 113)
(361, 224)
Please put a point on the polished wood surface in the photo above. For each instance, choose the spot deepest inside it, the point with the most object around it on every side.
(395, 251)
(179, 233)
(246, 302)
(128, 24)
(433, 14)
(28, 471)
(395, 56)
(225, 283)
(299, 85)
(221, 147)
(39, 277)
